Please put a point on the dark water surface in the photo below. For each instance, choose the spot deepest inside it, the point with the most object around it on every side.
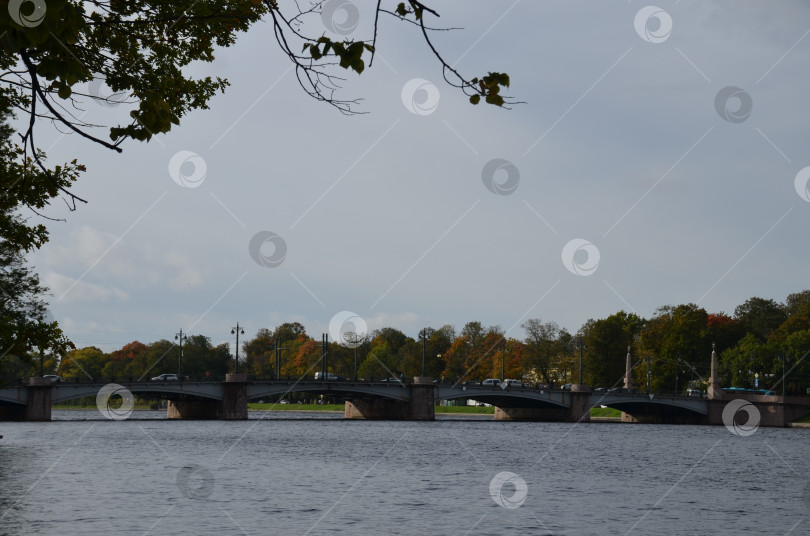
(289, 473)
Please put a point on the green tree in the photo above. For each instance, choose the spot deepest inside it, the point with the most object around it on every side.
(542, 349)
(141, 49)
(760, 317)
(738, 365)
(83, 364)
(605, 352)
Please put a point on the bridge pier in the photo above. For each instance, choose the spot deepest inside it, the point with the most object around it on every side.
(39, 400)
(35, 406)
(420, 407)
(578, 411)
(232, 407)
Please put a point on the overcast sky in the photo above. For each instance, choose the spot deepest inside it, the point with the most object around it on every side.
(631, 178)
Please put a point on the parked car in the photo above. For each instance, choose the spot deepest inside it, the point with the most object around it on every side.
(391, 380)
(600, 390)
(329, 376)
(53, 378)
(491, 381)
(166, 378)
(567, 387)
(512, 383)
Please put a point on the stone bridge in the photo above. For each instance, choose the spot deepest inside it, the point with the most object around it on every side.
(398, 400)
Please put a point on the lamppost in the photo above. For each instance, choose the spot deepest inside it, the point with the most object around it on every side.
(355, 339)
(237, 330)
(424, 335)
(580, 345)
(279, 349)
(180, 337)
(649, 374)
(503, 362)
(677, 364)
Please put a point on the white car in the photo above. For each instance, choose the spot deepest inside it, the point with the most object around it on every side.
(491, 381)
(512, 383)
(166, 378)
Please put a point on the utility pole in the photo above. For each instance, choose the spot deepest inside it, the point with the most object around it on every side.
(180, 337)
(237, 330)
(580, 345)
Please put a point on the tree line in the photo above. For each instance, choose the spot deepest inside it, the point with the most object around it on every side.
(670, 352)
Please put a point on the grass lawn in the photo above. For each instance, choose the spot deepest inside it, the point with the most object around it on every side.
(297, 407)
(805, 420)
(606, 413)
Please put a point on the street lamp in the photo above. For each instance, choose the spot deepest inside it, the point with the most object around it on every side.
(180, 337)
(580, 345)
(424, 335)
(649, 374)
(355, 339)
(503, 362)
(279, 349)
(237, 331)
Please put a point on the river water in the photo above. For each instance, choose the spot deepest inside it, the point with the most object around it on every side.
(288, 473)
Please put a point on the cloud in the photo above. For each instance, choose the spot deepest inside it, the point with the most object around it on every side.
(126, 263)
(71, 290)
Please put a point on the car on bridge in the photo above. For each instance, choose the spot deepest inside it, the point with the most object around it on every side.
(53, 378)
(328, 376)
(166, 378)
(491, 382)
(512, 383)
